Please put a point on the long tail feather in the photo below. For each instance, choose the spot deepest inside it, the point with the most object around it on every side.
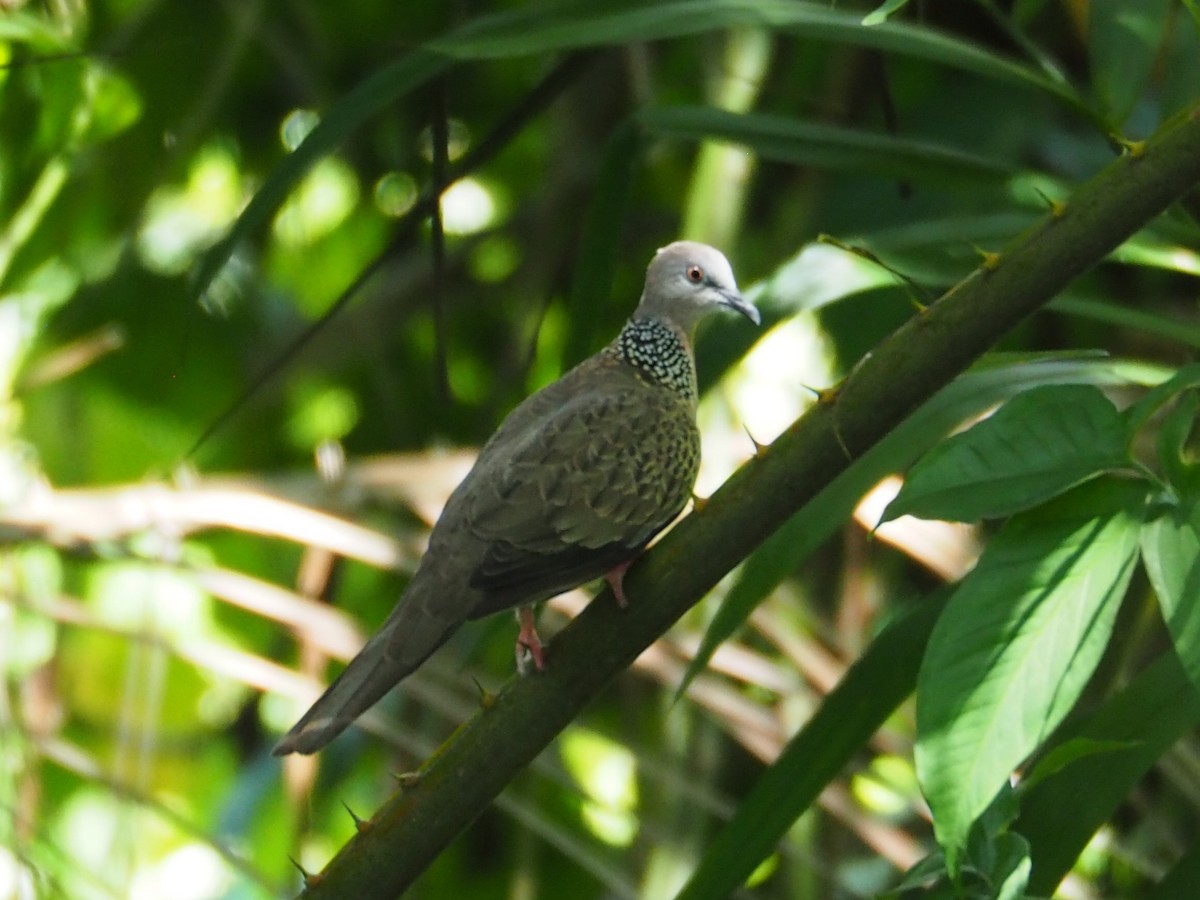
(381, 663)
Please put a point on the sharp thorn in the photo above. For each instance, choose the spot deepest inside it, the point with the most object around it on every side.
(824, 395)
(870, 256)
(990, 260)
(311, 879)
(1057, 207)
(758, 448)
(1133, 148)
(359, 823)
(486, 697)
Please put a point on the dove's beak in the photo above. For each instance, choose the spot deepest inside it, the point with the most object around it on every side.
(740, 304)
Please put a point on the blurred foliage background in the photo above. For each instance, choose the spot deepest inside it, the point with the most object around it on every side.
(167, 608)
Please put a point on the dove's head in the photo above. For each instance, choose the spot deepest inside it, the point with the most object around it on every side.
(686, 281)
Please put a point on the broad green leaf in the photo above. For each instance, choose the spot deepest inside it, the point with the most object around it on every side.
(1038, 445)
(784, 551)
(869, 692)
(795, 141)
(1178, 462)
(1124, 37)
(1017, 643)
(1171, 548)
(1061, 813)
(1011, 874)
(991, 853)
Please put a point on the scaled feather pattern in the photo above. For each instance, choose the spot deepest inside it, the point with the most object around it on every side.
(573, 485)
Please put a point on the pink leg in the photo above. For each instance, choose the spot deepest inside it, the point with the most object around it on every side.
(616, 581)
(528, 640)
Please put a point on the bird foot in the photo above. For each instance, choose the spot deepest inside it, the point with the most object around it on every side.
(616, 581)
(529, 645)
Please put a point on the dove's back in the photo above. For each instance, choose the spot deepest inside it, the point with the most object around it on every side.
(575, 481)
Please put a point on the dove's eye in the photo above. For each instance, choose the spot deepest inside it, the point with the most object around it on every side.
(695, 274)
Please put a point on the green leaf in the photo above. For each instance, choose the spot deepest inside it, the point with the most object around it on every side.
(881, 13)
(1124, 37)
(991, 853)
(1038, 445)
(869, 692)
(1174, 455)
(1061, 813)
(533, 31)
(928, 869)
(1171, 548)
(789, 140)
(785, 550)
(1170, 327)
(1066, 753)
(1156, 252)
(1011, 873)
(1137, 415)
(525, 32)
(1017, 643)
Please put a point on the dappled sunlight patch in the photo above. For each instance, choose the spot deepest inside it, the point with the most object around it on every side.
(296, 126)
(88, 826)
(607, 773)
(16, 877)
(320, 412)
(181, 221)
(193, 872)
(468, 206)
(319, 204)
(887, 787)
(395, 194)
(762, 395)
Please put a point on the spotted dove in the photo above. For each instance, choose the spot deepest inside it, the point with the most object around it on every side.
(573, 485)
